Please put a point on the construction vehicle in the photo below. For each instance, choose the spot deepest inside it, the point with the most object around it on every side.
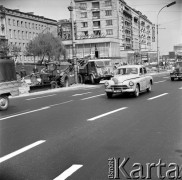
(54, 74)
(95, 70)
(9, 86)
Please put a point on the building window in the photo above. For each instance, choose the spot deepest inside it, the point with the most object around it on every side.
(96, 14)
(14, 34)
(22, 35)
(108, 12)
(84, 24)
(95, 5)
(14, 22)
(83, 6)
(85, 33)
(21, 23)
(109, 31)
(18, 23)
(108, 22)
(96, 24)
(108, 3)
(97, 33)
(36, 27)
(19, 35)
(83, 14)
(10, 34)
(9, 21)
(25, 24)
(32, 25)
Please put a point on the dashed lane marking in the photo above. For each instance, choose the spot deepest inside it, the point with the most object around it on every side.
(28, 112)
(105, 114)
(160, 81)
(36, 110)
(68, 172)
(81, 94)
(157, 96)
(26, 148)
(180, 88)
(40, 97)
(92, 97)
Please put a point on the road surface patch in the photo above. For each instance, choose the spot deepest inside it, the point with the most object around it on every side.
(159, 81)
(81, 94)
(180, 88)
(26, 148)
(40, 97)
(157, 96)
(166, 77)
(68, 172)
(105, 114)
(28, 112)
(40, 109)
(92, 97)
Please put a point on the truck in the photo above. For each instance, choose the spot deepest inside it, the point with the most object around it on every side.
(9, 86)
(95, 70)
(177, 71)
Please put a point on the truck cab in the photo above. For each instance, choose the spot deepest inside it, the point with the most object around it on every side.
(9, 85)
(96, 70)
(176, 71)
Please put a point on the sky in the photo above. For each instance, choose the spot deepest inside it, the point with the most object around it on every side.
(169, 19)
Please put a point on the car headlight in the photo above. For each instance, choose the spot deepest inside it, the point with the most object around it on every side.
(106, 84)
(131, 83)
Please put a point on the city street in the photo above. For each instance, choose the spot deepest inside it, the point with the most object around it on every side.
(72, 134)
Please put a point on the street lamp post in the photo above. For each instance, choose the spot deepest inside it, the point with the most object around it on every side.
(70, 8)
(168, 5)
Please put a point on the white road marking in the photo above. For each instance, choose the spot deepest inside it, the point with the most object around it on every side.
(68, 172)
(40, 97)
(81, 94)
(15, 153)
(28, 112)
(157, 96)
(105, 114)
(180, 88)
(166, 77)
(160, 81)
(92, 97)
(60, 103)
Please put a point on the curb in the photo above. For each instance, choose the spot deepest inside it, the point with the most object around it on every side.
(73, 87)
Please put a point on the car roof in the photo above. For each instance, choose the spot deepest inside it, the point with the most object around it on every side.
(130, 66)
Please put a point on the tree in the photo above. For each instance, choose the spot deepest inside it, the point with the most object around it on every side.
(46, 45)
(14, 51)
(4, 48)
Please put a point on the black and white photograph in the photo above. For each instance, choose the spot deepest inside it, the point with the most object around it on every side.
(90, 89)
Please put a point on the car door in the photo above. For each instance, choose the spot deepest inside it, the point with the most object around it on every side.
(145, 78)
(142, 79)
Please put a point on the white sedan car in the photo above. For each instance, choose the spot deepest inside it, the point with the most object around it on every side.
(129, 79)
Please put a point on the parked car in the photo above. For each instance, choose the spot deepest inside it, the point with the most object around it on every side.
(131, 79)
(176, 71)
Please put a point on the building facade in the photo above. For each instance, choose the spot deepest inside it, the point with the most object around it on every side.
(19, 28)
(110, 26)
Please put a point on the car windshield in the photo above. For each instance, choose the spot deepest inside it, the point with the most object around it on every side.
(99, 63)
(126, 71)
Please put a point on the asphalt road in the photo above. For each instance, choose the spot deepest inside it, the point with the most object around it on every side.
(72, 134)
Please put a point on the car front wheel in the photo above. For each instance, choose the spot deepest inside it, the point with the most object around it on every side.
(109, 95)
(137, 91)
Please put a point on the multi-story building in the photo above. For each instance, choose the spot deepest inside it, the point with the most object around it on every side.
(110, 26)
(19, 28)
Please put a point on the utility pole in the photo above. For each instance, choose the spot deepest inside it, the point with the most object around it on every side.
(168, 5)
(70, 8)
